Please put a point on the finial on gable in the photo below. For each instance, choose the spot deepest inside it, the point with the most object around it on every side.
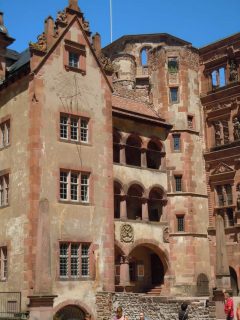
(73, 4)
(3, 29)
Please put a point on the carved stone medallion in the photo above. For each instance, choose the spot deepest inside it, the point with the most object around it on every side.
(126, 233)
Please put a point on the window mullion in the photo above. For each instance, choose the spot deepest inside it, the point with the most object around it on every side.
(69, 261)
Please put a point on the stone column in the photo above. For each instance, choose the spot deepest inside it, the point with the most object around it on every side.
(122, 154)
(123, 207)
(222, 266)
(41, 307)
(124, 271)
(145, 209)
(144, 158)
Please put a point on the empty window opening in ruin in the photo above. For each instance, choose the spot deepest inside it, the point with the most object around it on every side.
(218, 78)
(190, 122)
(144, 57)
(173, 65)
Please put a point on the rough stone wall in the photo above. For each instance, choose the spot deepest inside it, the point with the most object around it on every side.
(153, 307)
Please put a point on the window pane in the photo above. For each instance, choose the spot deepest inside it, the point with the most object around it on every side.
(75, 260)
(63, 127)
(63, 268)
(74, 186)
(176, 142)
(84, 130)
(173, 95)
(84, 188)
(85, 260)
(7, 127)
(63, 185)
(74, 129)
(73, 59)
(178, 182)
(180, 223)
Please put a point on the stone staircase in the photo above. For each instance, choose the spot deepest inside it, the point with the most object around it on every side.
(155, 291)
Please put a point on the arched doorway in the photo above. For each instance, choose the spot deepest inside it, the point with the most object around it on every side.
(202, 285)
(234, 281)
(147, 267)
(70, 312)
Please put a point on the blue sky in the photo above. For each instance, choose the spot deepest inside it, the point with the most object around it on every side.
(199, 22)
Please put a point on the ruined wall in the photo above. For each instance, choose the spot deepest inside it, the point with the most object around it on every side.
(153, 307)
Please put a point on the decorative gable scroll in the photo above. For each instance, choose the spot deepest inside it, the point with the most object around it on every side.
(222, 172)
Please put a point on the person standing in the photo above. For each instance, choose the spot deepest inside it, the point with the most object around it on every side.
(183, 313)
(119, 314)
(238, 311)
(228, 306)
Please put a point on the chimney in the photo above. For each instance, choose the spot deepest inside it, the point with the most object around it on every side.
(5, 41)
(73, 4)
(96, 38)
(49, 31)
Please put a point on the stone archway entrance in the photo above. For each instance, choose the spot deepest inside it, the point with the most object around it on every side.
(234, 281)
(70, 312)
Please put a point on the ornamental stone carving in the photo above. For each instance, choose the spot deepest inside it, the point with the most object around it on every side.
(236, 128)
(106, 63)
(61, 17)
(126, 233)
(41, 44)
(166, 235)
(86, 26)
(233, 71)
(217, 128)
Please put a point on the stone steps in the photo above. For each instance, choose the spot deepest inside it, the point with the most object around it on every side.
(155, 291)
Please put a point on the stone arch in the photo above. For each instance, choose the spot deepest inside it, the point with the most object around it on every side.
(157, 199)
(157, 186)
(135, 182)
(120, 247)
(160, 143)
(154, 154)
(75, 303)
(134, 200)
(133, 150)
(156, 247)
(234, 281)
(143, 55)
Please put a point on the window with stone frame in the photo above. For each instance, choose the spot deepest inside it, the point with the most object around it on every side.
(176, 142)
(218, 77)
(4, 190)
(190, 122)
(180, 223)
(174, 95)
(4, 134)
(3, 263)
(178, 183)
(221, 132)
(74, 186)
(74, 128)
(74, 260)
(75, 58)
(224, 195)
(173, 65)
